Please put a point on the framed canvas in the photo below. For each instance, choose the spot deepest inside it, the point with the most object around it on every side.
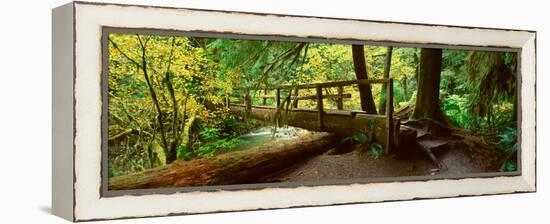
(161, 111)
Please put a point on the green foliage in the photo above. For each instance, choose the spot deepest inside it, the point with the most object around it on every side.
(183, 153)
(366, 138)
(456, 109)
(509, 166)
(376, 150)
(508, 144)
(218, 139)
(398, 97)
(114, 172)
(232, 125)
(210, 149)
(254, 62)
(157, 83)
(494, 79)
(360, 137)
(477, 89)
(209, 134)
(508, 140)
(478, 93)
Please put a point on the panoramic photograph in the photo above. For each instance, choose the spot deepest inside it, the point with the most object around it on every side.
(188, 111)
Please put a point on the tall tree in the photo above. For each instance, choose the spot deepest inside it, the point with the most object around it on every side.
(365, 92)
(164, 73)
(429, 76)
(387, 67)
(493, 78)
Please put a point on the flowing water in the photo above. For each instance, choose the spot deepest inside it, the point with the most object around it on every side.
(266, 135)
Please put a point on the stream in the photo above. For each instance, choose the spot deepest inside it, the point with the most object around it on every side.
(264, 135)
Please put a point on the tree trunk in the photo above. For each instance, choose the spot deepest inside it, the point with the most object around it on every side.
(429, 76)
(238, 167)
(365, 92)
(416, 62)
(404, 85)
(387, 67)
(173, 152)
(160, 116)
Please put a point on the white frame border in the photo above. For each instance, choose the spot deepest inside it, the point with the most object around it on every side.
(90, 18)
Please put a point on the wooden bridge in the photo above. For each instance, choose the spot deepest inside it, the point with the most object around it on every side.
(249, 166)
(384, 129)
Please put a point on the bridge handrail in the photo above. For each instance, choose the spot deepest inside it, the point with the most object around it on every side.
(319, 96)
(322, 85)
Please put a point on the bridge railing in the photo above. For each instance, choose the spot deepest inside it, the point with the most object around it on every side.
(294, 90)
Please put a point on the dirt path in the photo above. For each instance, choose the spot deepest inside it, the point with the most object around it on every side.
(359, 163)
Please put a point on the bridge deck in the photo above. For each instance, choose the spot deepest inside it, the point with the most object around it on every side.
(381, 127)
(345, 123)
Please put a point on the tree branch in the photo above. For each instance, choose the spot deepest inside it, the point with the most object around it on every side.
(152, 90)
(124, 54)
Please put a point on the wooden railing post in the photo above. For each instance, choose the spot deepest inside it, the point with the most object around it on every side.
(248, 103)
(295, 102)
(264, 101)
(340, 99)
(389, 116)
(226, 100)
(278, 97)
(319, 90)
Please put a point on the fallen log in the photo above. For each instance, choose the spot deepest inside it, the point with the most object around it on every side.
(343, 123)
(238, 167)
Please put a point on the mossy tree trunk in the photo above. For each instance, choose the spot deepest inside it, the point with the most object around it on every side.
(387, 67)
(360, 67)
(429, 76)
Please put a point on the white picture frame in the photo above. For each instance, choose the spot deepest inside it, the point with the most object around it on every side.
(77, 110)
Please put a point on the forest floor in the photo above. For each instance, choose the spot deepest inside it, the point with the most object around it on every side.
(312, 157)
(360, 163)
